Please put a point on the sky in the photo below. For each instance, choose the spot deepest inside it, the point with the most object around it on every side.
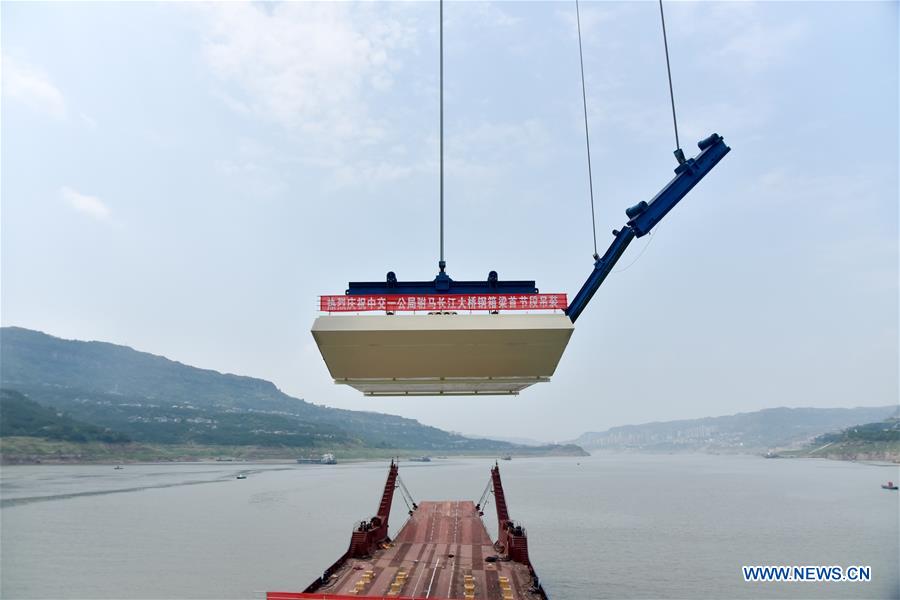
(186, 179)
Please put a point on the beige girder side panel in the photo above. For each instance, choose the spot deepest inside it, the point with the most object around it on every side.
(477, 348)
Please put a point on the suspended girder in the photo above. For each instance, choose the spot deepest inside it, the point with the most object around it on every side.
(443, 354)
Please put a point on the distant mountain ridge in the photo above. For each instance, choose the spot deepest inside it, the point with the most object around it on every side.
(760, 430)
(32, 357)
(153, 399)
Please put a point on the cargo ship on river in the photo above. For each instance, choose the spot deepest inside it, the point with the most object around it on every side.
(443, 551)
(325, 459)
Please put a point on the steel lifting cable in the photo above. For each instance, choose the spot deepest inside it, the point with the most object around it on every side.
(405, 501)
(679, 154)
(442, 263)
(587, 137)
(485, 492)
(405, 491)
(650, 237)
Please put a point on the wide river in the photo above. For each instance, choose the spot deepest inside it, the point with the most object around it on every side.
(609, 526)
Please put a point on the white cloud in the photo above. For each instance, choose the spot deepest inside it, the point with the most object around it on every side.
(478, 155)
(757, 44)
(89, 205)
(307, 65)
(501, 143)
(88, 120)
(31, 87)
(595, 17)
(744, 38)
(466, 15)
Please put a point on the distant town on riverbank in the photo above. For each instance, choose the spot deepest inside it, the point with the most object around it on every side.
(862, 433)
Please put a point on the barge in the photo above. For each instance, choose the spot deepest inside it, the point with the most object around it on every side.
(325, 459)
(443, 551)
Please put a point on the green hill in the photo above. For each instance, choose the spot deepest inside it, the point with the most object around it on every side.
(871, 441)
(20, 416)
(152, 399)
(883, 431)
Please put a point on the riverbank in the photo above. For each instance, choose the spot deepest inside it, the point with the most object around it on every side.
(879, 452)
(851, 450)
(31, 450)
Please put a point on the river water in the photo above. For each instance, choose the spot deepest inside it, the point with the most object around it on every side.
(608, 526)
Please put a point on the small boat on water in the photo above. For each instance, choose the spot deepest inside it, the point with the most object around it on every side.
(420, 459)
(241, 476)
(507, 457)
(890, 485)
(118, 467)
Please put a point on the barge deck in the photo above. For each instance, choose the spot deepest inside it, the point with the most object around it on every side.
(442, 552)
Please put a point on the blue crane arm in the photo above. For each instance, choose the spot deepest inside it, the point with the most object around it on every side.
(643, 216)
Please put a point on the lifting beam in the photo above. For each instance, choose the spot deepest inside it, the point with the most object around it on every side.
(645, 215)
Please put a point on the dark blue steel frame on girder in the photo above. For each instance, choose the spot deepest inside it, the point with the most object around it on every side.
(645, 215)
(442, 284)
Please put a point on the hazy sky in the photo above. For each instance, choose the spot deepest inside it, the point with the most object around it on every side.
(186, 179)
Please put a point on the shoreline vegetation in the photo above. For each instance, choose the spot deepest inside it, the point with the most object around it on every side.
(864, 454)
(889, 454)
(25, 450)
(878, 441)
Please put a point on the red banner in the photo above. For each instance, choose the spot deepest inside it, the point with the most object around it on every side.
(442, 302)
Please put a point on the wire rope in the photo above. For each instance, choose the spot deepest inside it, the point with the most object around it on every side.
(587, 136)
(662, 18)
(651, 235)
(442, 264)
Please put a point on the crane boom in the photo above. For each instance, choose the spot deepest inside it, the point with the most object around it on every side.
(643, 216)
